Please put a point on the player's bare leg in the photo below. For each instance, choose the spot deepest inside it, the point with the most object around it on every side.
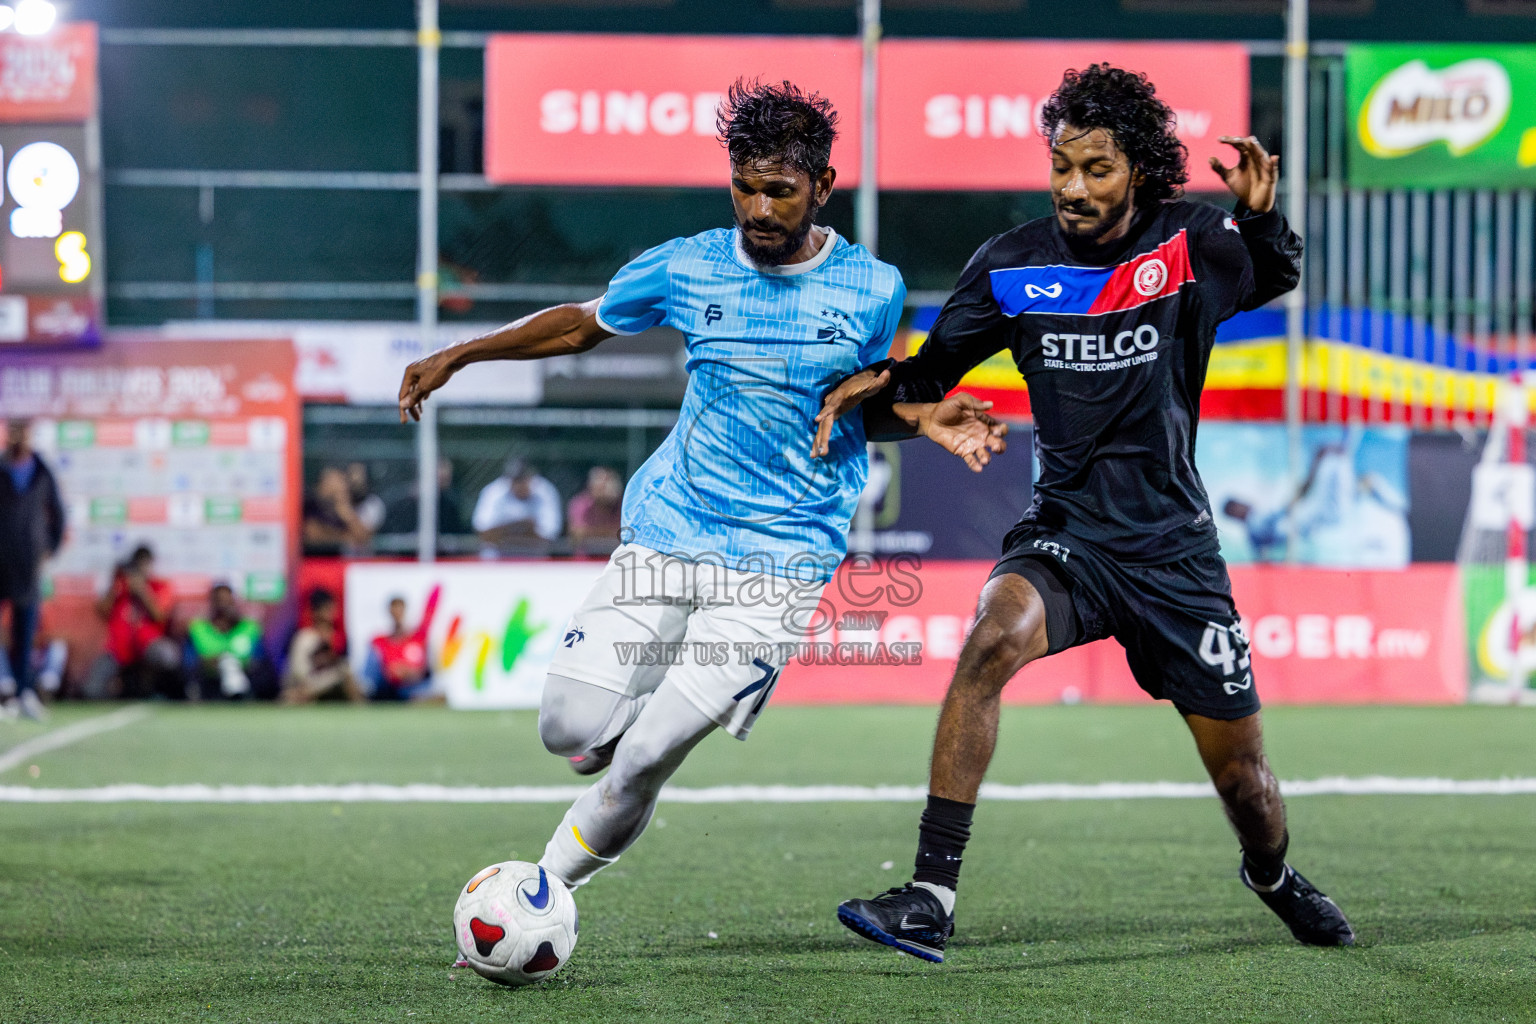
(1009, 633)
(1233, 753)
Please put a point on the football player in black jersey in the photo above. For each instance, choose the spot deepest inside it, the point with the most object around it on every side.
(1110, 310)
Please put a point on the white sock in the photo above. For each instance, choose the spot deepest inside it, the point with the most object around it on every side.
(945, 894)
(568, 857)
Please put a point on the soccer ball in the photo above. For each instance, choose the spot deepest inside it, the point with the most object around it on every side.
(515, 923)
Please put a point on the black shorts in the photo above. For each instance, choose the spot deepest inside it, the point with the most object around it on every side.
(1177, 623)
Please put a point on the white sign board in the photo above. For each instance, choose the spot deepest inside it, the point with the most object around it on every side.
(495, 628)
(361, 363)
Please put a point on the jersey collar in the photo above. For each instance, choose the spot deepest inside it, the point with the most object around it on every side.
(786, 269)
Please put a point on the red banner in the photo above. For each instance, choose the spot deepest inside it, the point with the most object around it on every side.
(964, 114)
(49, 78)
(640, 110)
(1319, 636)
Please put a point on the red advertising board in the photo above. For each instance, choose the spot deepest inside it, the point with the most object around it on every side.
(49, 78)
(640, 110)
(964, 114)
(1319, 636)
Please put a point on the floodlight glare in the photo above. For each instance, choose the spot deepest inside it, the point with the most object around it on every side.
(34, 17)
(7, 16)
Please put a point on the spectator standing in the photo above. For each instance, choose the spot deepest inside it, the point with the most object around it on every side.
(595, 514)
(399, 665)
(31, 530)
(332, 525)
(317, 663)
(518, 512)
(137, 607)
(226, 653)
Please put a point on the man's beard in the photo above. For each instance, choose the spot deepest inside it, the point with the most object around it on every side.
(1104, 224)
(778, 253)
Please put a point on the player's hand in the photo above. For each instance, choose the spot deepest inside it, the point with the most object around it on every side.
(422, 377)
(961, 425)
(1254, 178)
(845, 397)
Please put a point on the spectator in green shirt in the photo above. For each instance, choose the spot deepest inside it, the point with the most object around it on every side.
(226, 657)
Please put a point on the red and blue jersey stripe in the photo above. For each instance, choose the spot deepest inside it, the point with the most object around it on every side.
(1091, 291)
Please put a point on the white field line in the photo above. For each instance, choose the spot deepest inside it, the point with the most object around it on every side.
(1374, 785)
(63, 737)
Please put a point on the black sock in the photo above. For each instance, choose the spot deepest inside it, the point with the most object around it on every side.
(1266, 868)
(941, 839)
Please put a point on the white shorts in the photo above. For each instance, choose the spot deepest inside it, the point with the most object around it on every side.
(719, 635)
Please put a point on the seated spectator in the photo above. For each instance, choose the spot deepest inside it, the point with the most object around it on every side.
(594, 514)
(402, 505)
(317, 663)
(399, 666)
(139, 651)
(517, 513)
(368, 506)
(227, 659)
(331, 523)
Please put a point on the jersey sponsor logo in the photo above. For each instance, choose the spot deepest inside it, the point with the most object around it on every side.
(1097, 352)
(574, 636)
(1094, 291)
(712, 312)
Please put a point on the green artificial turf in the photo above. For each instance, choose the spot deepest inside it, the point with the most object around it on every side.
(1074, 911)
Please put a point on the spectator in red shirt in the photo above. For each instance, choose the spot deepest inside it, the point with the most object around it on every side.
(399, 666)
(594, 514)
(137, 607)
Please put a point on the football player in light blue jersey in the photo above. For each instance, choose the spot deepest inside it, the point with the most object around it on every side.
(731, 528)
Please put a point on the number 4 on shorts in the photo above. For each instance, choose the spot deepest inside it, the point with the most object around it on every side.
(1217, 649)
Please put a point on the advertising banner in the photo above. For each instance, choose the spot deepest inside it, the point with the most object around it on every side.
(1319, 636)
(964, 114)
(495, 627)
(566, 109)
(894, 630)
(187, 446)
(50, 205)
(1350, 510)
(49, 78)
(361, 363)
(1441, 115)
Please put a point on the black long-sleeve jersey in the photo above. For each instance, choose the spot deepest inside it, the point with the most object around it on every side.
(1114, 346)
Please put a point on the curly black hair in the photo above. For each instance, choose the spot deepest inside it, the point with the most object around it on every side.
(1124, 104)
(777, 122)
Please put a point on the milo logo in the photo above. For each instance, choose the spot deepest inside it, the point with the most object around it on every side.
(1412, 106)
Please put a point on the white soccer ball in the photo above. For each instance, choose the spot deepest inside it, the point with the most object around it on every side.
(515, 923)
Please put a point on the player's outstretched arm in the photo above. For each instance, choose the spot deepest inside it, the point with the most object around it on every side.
(959, 424)
(556, 331)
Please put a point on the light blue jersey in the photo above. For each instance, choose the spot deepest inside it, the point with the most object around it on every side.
(734, 481)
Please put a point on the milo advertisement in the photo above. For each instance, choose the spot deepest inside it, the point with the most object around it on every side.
(1430, 115)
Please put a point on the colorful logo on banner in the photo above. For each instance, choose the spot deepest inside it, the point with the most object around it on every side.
(1441, 116)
